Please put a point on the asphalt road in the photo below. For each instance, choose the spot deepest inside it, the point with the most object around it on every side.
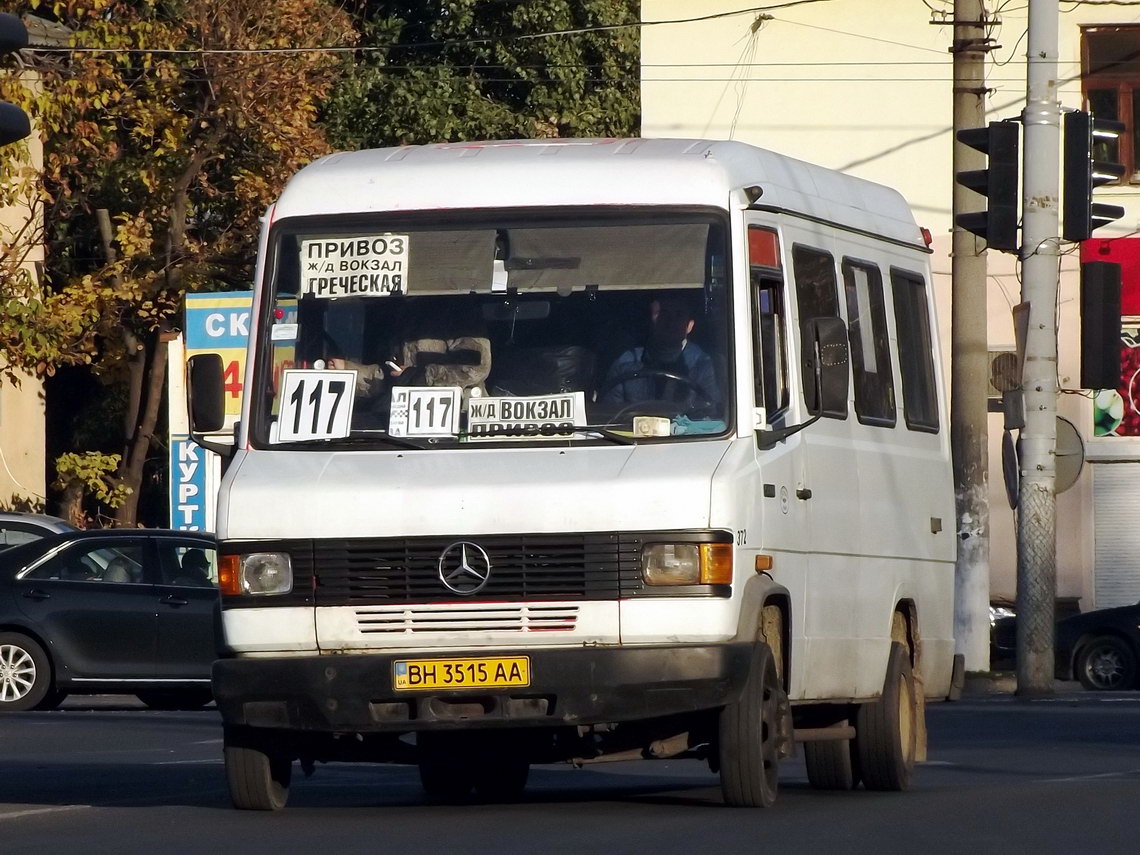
(1004, 776)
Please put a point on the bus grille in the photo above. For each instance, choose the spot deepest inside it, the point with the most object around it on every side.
(523, 617)
(594, 566)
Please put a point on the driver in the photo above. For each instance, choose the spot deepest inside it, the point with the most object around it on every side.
(642, 373)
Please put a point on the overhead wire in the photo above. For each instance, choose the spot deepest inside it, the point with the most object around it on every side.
(597, 28)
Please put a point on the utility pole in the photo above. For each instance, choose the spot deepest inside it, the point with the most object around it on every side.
(969, 367)
(1040, 257)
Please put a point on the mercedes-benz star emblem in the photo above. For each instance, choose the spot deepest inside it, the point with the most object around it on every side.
(464, 568)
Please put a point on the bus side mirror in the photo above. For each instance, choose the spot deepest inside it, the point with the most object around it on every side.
(827, 377)
(205, 397)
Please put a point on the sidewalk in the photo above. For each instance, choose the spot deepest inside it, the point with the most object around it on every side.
(1005, 683)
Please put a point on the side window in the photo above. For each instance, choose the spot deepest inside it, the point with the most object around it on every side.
(870, 346)
(916, 351)
(188, 564)
(13, 534)
(817, 295)
(120, 563)
(768, 314)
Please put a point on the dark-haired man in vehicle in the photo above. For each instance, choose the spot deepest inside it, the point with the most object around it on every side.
(670, 367)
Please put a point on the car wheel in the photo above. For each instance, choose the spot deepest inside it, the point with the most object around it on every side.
(1106, 664)
(749, 737)
(175, 699)
(25, 673)
(52, 700)
(832, 764)
(257, 776)
(886, 730)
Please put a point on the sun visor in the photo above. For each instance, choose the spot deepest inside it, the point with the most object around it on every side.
(390, 263)
(632, 257)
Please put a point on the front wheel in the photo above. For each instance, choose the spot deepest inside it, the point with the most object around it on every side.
(886, 731)
(25, 673)
(257, 775)
(749, 737)
(1106, 664)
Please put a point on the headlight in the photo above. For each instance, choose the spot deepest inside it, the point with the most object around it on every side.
(258, 573)
(687, 563)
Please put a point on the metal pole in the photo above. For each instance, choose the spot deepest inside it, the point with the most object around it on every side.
(1040, 255)
(968, 346)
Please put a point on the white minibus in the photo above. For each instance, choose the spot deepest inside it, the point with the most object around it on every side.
(582, 450)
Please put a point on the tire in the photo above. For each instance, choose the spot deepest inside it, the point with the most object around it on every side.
(447, 767)
(25, 673)
(52, 700)
(749, 737)
(886, 731)
(1106, 664)
(175, 699)
(257, 777)
(832, 764)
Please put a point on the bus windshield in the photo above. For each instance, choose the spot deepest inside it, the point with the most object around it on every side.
(480, 329)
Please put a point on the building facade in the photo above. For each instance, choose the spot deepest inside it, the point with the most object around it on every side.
(865, 86)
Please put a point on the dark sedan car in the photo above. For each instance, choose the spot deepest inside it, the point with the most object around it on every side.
(1101, 648)
(115, 610)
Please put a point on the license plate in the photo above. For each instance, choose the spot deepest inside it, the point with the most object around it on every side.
(498, 673)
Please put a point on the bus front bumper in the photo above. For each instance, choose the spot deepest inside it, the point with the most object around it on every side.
(355, 692)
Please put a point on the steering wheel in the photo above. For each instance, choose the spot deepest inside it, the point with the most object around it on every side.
(702, 394)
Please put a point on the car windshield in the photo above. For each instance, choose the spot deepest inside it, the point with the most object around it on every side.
(509, 329)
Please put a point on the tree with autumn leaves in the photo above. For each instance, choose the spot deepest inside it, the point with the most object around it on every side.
(169, 126)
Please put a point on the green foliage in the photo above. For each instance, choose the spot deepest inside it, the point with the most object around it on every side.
(454, 70)
(183, 150)
(93, 473)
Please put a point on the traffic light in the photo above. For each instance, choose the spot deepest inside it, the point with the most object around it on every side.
(1086, 137)
(997, 182)
(14, 124)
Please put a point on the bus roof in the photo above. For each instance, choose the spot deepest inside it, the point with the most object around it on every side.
(604, 172)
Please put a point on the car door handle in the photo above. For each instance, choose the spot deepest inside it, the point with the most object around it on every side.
(175, 600)
(37, 594)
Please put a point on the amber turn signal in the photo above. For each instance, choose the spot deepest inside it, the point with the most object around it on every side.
(716, 563)
(229, 579)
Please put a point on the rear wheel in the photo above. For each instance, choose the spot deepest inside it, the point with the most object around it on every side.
(832, 764)
(25, 673)
(257, 776)
(749, 737)
(886, 731)
(1106, 664)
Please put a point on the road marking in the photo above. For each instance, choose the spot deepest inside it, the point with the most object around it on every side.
(215, 760)
(33, 811)
(1102, 775)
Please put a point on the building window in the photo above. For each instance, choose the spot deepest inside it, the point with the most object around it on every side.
(1110, 76)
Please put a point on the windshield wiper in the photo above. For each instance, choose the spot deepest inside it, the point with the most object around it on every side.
(367, 439)
(605, 433)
